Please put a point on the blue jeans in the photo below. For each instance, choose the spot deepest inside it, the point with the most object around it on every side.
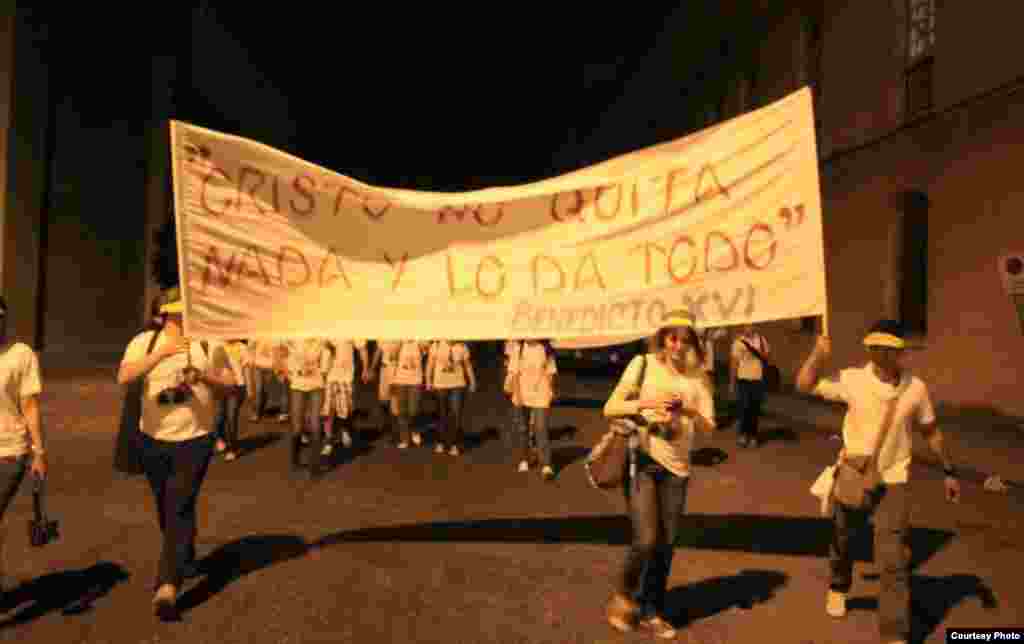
(527, 421)
(451, 415)
(656, 504)
(750, 395)
(229, 410)
(12, 473)
(175, 471)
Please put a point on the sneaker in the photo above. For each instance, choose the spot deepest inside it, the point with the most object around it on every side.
(753, 443)
(164, 603)
(417, 439)
(305, 438)
(622, 613)
(659, 627)
(439, 449)
(403, 445)
(327, 450)
(524, 466)
(548, 473)
(283, 418)
(742, 441)
(835, 604)
(254, 419)
(230, 456)
(454, 451)
(346, 440)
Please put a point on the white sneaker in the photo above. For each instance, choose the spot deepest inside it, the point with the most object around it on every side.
(454, 451)
(524, 466)
(305, 439)
(835, 604)
(164, 602)
(327, 450)
(417, 439)
(403, 445)
(439, 449)
(549, 474)
(346, 440)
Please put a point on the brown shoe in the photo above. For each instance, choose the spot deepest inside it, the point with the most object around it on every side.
(622, 613)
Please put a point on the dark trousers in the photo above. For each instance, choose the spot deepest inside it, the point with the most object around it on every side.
(532, 423)
(656, 501)
(750, 395)
(268, 391)
(12, 473)
(451, 415)
(407, 403)
(889, 511)
(175, 471)
(229, 411)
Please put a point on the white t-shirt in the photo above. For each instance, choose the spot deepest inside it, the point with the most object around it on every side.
(748, 367)
(708, 340)
(307, 363)
(409, 367)
(173, 422)
(343, 362)
(19, 378)
(449, 370)
(535, 371)
(261, 353)
(867, 398)
(660, 380)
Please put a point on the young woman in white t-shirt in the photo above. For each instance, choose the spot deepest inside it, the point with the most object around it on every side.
(675, 400)
(407, 388)
(178, 406)
(21, 434)
(307, 364)
(340, 387)
(533, 372)
(450, 373)
(385, 357)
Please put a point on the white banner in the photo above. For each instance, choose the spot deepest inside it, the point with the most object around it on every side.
(725, 222)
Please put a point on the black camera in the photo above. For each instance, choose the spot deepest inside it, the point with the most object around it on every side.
(41, 529)
(175, 395)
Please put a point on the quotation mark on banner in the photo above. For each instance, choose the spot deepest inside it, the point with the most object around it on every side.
(792, 216)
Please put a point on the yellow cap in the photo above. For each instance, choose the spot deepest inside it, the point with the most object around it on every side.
(677, 318)
(879, 339)
(172, 301)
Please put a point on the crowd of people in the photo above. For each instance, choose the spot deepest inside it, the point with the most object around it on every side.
(193, 395)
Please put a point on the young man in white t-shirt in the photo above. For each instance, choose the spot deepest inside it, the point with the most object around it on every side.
(21, 434)
(178, 406)
(868, 392)
(747, 382)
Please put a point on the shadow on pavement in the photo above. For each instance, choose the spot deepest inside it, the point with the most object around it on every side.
(72, 592)
(476, 440)
(779, 535)
(708, 597)
(708, 457)
(234, 560)
(579, 403)
(563, 457)
(932, 598)
(258, 442)
(778, 435)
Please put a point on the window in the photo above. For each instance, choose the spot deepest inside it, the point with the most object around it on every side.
(920, 56)
(914, 263)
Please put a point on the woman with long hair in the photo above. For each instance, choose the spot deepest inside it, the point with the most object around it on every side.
(339, 393)
(407, 389)
(534, 376)
(307, 363)
(450, 373)
(669, 389)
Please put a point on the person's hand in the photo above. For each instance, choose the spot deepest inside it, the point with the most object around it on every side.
(823, 347)
(659, 403)
(472, 387)
(952, 486)
(366, 376)
(191, 376)
(39, 466)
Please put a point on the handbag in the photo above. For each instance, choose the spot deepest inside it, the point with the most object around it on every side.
(128, 448)
(606, 465)
(857, 476)
(41, 529)
(771, 376)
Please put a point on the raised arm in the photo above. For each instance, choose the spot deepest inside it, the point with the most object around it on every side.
(809, 374)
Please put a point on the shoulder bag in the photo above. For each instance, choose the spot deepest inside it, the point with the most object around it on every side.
(606, 464)
(772, 377)
(128, 449)
(857, 476)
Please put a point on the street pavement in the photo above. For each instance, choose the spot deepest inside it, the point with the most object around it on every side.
(410, 546)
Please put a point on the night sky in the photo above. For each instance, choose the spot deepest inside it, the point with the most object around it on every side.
(456, 99)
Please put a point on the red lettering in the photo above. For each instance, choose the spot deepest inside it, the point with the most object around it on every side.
(400, 271)
(592, 260)
(672, 255)
(599, 212)
(253, 252)
(573, 212)
(716, 188)
(477, 214)
(213, 263)
(501, 283)
(792, 221)
(536, 274)
(669, 187)
(305, 264)
(204, 185)
(647, 246)
(375, 214)
(451, 280)
(250, 192)
(714, 234)
(299, 187)
(654, 320)
(331, 252)
(770, 251)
